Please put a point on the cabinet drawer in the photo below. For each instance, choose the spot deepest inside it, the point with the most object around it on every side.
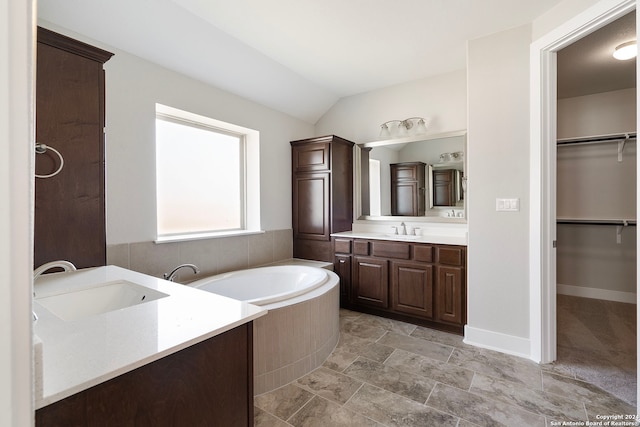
(361, 247)
(451, 255)
(311, 157)
(391, 250)
(342, 246)
(423, 253)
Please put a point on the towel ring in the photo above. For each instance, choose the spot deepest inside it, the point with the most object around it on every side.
(41, 149)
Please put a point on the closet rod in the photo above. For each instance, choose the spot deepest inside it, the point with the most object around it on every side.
(598, 139)
(619, 222)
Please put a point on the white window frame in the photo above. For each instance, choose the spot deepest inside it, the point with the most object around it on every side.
(250, 174)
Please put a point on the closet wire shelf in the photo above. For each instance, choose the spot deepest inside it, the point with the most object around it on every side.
(620, 138)
(618, 222)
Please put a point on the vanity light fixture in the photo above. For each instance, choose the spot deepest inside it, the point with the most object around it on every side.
(626, 51)
(403, 127)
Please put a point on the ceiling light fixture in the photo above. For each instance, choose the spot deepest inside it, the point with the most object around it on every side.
(404, 127)
(626, 51)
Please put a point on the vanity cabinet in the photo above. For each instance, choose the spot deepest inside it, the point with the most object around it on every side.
(408, 188)
(206, 384)
(419, 283)
(322, 184)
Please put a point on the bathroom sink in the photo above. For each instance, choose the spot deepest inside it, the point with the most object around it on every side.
(403, 236)
(110, 296)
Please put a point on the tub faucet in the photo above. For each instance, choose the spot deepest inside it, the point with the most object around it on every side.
(65, 265)
(171, 276)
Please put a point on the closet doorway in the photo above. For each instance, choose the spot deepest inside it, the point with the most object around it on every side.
(596, 210)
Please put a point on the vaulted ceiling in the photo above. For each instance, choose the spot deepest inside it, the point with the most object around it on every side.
(296, 56)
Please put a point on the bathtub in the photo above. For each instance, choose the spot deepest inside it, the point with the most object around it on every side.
(301, 328)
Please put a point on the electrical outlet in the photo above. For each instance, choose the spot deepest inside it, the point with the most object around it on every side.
(507, 205)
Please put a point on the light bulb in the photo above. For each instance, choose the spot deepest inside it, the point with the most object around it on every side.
(402, 130)
(421, 127)
(384, 131)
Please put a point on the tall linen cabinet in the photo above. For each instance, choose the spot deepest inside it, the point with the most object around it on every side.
(322, 184)
(69, 218)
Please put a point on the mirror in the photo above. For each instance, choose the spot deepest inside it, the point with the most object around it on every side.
(413, 177)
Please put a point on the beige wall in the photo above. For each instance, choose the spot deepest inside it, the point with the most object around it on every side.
(441, 98)
(133, 88)
(558, 15)
(498, 159)
(597, 114)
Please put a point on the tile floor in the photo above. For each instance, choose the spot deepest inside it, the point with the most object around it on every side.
(390, 373)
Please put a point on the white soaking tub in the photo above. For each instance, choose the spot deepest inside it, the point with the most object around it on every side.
(301, 328)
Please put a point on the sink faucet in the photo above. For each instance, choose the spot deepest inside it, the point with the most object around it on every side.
(65, 265)
(171, 276)
(404, 229)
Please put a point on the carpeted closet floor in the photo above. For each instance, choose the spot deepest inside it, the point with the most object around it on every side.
(597, 343)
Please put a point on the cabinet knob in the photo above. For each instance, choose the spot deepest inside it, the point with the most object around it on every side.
(342, 261)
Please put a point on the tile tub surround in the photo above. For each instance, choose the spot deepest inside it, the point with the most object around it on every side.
(212, 256)
(80, 354)
(291, 341)
(389, 373)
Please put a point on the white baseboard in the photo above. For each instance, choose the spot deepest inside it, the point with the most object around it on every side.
(497, 341)
(596, 293)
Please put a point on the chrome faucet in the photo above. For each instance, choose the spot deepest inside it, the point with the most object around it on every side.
(404, 229)
(171, 276)
(65, 265)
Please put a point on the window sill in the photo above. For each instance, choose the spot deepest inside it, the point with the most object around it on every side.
(202, 236)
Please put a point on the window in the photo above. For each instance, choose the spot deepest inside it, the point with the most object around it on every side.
(207, 177)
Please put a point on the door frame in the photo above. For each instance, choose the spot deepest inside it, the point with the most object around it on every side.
(543, 131)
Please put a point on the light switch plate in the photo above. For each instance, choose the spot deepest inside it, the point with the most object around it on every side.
(507, 205)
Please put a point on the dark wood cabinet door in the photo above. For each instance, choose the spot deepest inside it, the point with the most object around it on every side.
(412, 289)
(370, 282)
(69, 218)
(311, 217)
(450, 294)
(311, 157)
(342, 267)
(408, 189)
(444, 187)
(404, 199)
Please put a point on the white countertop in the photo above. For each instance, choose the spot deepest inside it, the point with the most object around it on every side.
(82, 353)
(442, 239)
